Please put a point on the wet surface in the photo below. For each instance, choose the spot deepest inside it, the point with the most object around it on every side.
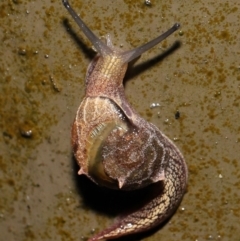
(194, 73)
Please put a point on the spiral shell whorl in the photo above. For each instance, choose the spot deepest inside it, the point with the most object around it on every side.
(136, 159)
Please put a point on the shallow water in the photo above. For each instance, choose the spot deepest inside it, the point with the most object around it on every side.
(44, 57)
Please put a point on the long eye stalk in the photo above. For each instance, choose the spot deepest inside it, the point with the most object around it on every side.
(101, 47)
(134, 53)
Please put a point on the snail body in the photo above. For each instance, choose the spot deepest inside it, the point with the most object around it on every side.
(116, 148)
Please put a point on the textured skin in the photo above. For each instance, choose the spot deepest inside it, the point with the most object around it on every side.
(117, 148)
(160, 207)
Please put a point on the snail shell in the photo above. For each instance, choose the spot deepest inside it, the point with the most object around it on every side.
(117, 148)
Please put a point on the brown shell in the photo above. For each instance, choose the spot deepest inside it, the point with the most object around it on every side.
(114, 146)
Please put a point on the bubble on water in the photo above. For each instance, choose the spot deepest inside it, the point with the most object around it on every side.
(148, 2)
(154, 105)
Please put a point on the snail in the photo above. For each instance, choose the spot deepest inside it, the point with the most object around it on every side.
(118, 149)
